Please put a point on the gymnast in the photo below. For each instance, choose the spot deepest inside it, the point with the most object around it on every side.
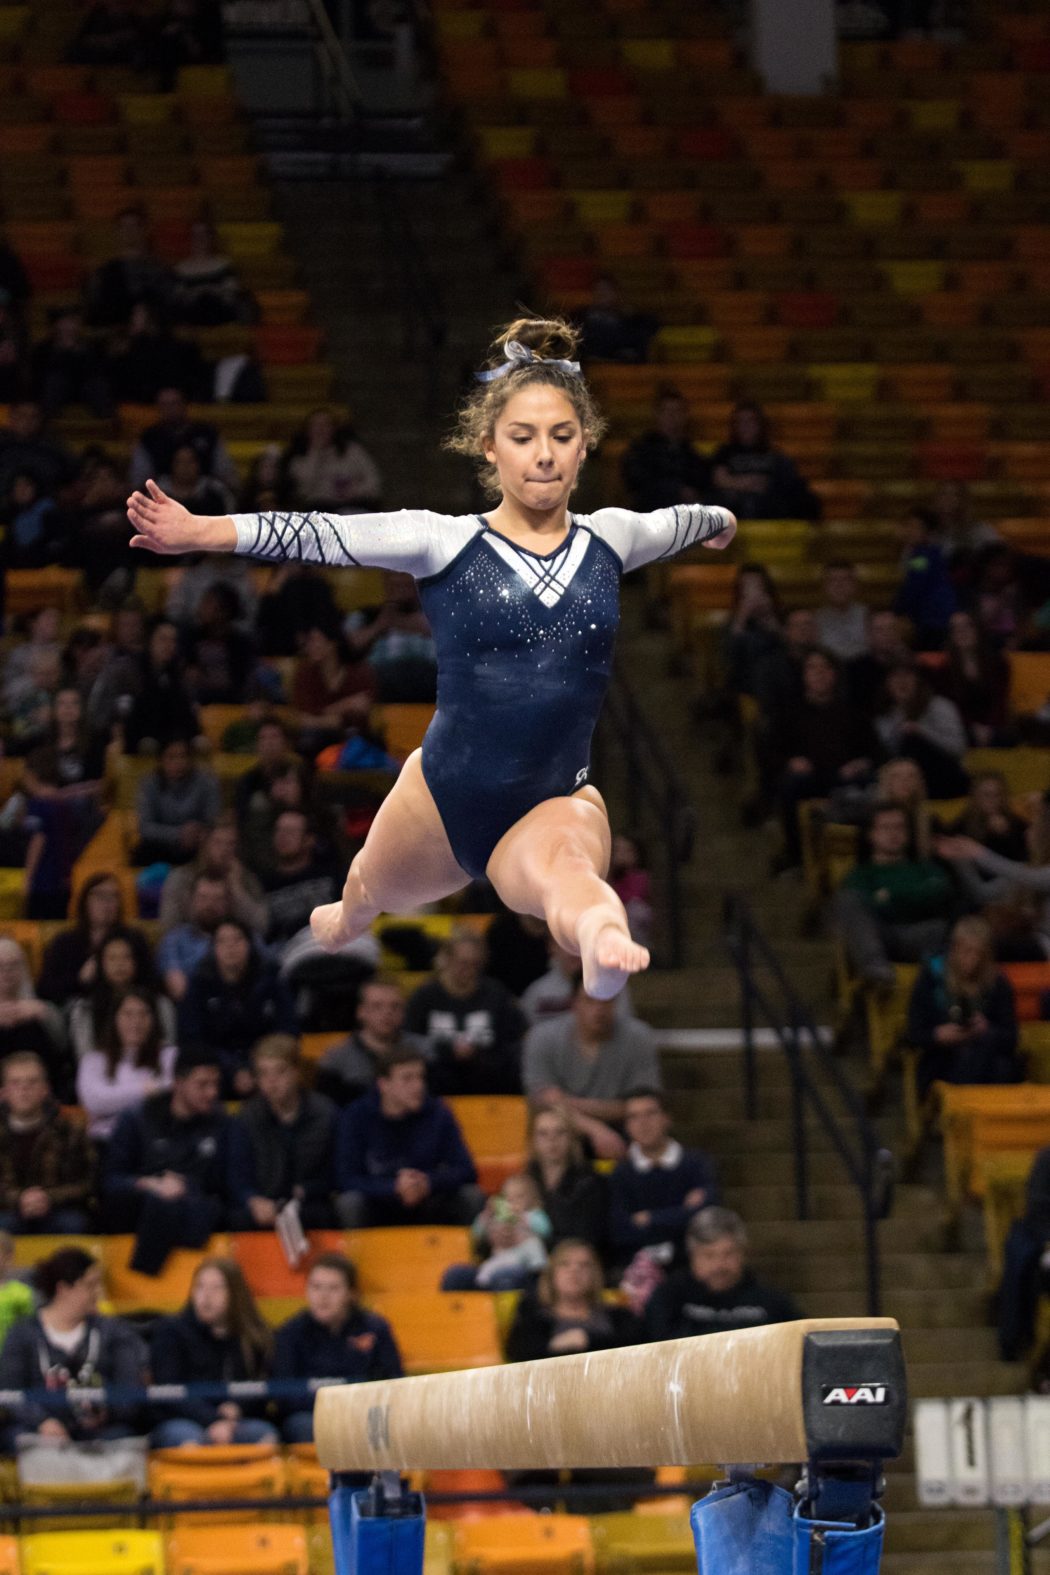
(523, 603)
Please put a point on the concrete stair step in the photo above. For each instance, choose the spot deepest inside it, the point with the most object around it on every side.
(817, 1238)
(961, 1345)
(844, 1270)
(945, 1531)
(942, 1379)
(758, 1201)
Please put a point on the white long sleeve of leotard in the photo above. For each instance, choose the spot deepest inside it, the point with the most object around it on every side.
(415, 541)
(637, 539)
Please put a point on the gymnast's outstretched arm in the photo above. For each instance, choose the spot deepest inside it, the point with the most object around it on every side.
(415, 541)
(646, 538)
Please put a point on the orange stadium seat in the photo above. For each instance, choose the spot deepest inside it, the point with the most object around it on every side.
(406, 1257)
(532, 1544)
(265, 1267)
(441, 1331)
(238, 1550)
(494, 1128)
(208, 1473)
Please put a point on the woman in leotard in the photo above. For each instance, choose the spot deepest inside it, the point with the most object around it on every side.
(523, 603)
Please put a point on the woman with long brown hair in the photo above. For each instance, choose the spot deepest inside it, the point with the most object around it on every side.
(567, 1311)
(962, 1016)
(132, 1062)
(571, 1195)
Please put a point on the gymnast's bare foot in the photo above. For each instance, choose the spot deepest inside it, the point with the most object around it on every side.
(329, 926)
(609, 957)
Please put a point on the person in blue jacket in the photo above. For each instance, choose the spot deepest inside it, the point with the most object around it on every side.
(659, 1185)
(334, 1337)
(400, 1157)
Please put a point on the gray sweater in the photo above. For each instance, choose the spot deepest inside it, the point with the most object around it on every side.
(165, 807)
(626, 1060)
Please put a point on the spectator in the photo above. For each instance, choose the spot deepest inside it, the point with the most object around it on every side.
(663, 467)
(753, 478)
(28, 707)
(517, 946)
(47, 1168)
(175, 429)
(867, 675)
(234, 998)
(894, 906)
(265, 489)
(927, 593)
(26, 1022)
(396, 642)
(400, 1157)
(68, 764)
(608, 332)
(219, 654)
(98, 542)
(976, 679)
(219, 1337)
(207, 570)
(162, 710)
(718, 1292)
(188, 33)
(331, 692)
(219, 858)
(208, 292)
(165, 1168)
(147, 357)
(274, 756)
(123, 962)
(822, 745)
(926, 728)
(567, 1313)
(26, 447)
(348, 1069)
(962, 536)
(329, 468)
(34, 529)
(112, 33)
(989, 820)
(586, 1063)
(177, 804)
(992, 880)
(333, 1337)
(511, 1231)
(299, 875)
(41, 639)
(133, 1062)
(961, 1016)
(70, 965)
(197, 491)
(471, 1025)
(1022, 1279)
(1000, 597)
(631, 882)
(69, 1344)
(571, 1195)
(131, 275)
(297, 599)
(67, 368)
(281, 1144)
(186, 945)
(659, 1186)
(552, 994)
(842, 620)
(754, 632)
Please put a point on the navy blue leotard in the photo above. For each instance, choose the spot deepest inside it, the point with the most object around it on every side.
(524, 641)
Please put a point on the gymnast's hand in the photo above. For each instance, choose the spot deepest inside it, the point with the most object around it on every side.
(164, 526)
(720, 542)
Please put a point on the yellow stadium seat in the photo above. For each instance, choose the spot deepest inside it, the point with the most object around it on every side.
(525, 1545)
(12, 893)
(846, 380)
(692, 343)
(985, 175)
(495, 1129)
(656, 1543)
(30, 589)
(887, 1015)
(251, 239)
(148, 109)
(205, 82)
(978, 1121)
(649, 54)
(1029, 681)
(871, 208)
(118, 1497)
(403, 727)
(239, 1550)
(544, 82)
(440, 1331)
(1005, 1176)
(1034, 1040)
(405, 1258)
(173, 1479)
(508, 142)
(914, 278)
(92, 1552)
(1025, 770)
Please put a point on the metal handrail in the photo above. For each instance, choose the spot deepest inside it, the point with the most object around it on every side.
(332, 59)
(868, 1164)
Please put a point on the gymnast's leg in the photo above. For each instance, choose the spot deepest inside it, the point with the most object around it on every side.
(551, 864)
(406, 861)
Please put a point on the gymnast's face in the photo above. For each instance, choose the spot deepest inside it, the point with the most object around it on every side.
(537, 447)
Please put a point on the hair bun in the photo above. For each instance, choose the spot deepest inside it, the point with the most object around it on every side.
(549, 338)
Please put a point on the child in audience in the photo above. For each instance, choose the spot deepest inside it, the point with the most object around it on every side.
(515, 1229)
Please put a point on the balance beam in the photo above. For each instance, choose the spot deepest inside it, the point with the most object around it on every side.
(814, 1389)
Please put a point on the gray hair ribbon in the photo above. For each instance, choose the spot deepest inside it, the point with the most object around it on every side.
(520, 355)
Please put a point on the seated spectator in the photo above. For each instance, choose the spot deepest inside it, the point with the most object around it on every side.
(1003, 586)
(281, 1144)
(186, 946)
(98, 542)
(663, 467)
(567, 1312)
(570, 1194)
(659, 1186)
(400, 1158)
(976, 680)
(177, 804)
(133, 274)
(67, 368)
(298, 876)
(273, 756)
(608, 332)
(207, 289)
(822, 745)
(754, 631)
(219, 655)
(894, 906)
(146, 357)
(517, 947)
(471, 1026)
(219, 1337)
(842, 620)
(234, 998)
(926, 728)
(70, 965)
(26, 1022)
(989, 819)
(27, 711)
(348, 1069)
(631, 882)
(67, 763)
(777, 676)
(396, 642)
(926, 594)
(586, 1063)
(718, 1291)
(962, 1017)
(552, 994)
(189, 485)
(511, 1233)
(1023, 1277)
(266, 489)
(962, 537)
(25, 445)
(297, 598)
(219, 858)
(132, 1062)
(331, 692)
(1001, 886)
(329, 468)
(47, 1167)
(162, 710)
(333, 1337)
(202, 572)
(35, 530)
(164, 1176)
(112, 33)
(40, 638)
(123, 962)
(867, 675)
(70, 1344)
(754, 479)
(174, 429)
